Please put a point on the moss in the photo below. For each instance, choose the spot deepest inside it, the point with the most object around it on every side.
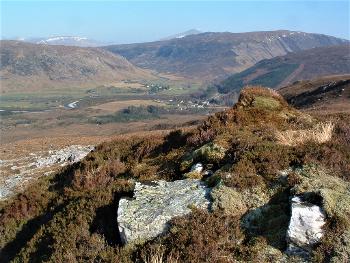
(210, 153)
(266, 103)
(193, 175)
(270, 220)
(228, 200)
(186, 163)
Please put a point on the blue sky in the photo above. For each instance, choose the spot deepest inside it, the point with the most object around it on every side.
(139, 21)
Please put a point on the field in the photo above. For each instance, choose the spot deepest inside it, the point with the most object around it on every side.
(119, 105)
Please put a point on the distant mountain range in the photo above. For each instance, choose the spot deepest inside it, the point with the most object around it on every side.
(25, 65)
(282, 56)
(64, 40)
(209, 56)
(80, 41)
(283, 70)
(183, 34)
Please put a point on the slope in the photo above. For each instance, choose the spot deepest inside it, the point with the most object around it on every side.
(26, 66)
(208, 56)
(284, 70)
(323, 95)
(72, 216)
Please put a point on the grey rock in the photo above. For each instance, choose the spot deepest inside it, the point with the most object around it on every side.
(148, 213)
(70, 154)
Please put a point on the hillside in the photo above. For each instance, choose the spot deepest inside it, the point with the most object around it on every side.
(283, 70)
(208, 56)
(26, 66)
(323, 95)
(277, 181)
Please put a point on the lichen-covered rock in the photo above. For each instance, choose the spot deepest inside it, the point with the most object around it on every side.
(228, 200)
(210, 152)
(147, 214)
(305, 226)
(334, 194)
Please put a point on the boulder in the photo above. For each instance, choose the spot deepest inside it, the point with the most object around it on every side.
(305, 226)
(153, 205)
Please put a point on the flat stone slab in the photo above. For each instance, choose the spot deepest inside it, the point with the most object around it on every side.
(148, 213)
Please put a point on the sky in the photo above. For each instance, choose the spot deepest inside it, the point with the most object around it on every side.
(142, 21)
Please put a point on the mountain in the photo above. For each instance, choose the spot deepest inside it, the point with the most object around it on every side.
(183, 34)
(283, 70)
(323, 95)
(260, 180)
(64, 40)
(208, 56)
(26, 65)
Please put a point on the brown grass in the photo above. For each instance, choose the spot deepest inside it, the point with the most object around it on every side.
(321, 133)
(157, 255)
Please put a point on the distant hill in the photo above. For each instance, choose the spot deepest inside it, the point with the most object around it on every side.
(324, 95)
(76, 41)
(24, 65)
(283, 70)
(209, 56)
(183, 34)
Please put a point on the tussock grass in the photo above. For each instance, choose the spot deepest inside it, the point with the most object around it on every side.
(157, 255)
(321, 133)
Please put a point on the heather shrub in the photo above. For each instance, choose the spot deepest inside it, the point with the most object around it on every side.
(200, 237)
(250, 199)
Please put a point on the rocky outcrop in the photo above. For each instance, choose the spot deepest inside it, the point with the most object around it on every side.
(148, 213)
(70, 154)
(17, 173)
(305, 227)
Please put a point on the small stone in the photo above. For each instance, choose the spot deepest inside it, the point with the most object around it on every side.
(198, 167)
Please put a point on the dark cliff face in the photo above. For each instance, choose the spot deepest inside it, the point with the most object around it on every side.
(213, 55)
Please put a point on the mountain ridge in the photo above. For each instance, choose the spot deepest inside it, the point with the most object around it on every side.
(284, 70)
(227, 52)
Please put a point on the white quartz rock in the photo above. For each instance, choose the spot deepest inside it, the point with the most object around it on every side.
(198, 167)
(305, 226)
